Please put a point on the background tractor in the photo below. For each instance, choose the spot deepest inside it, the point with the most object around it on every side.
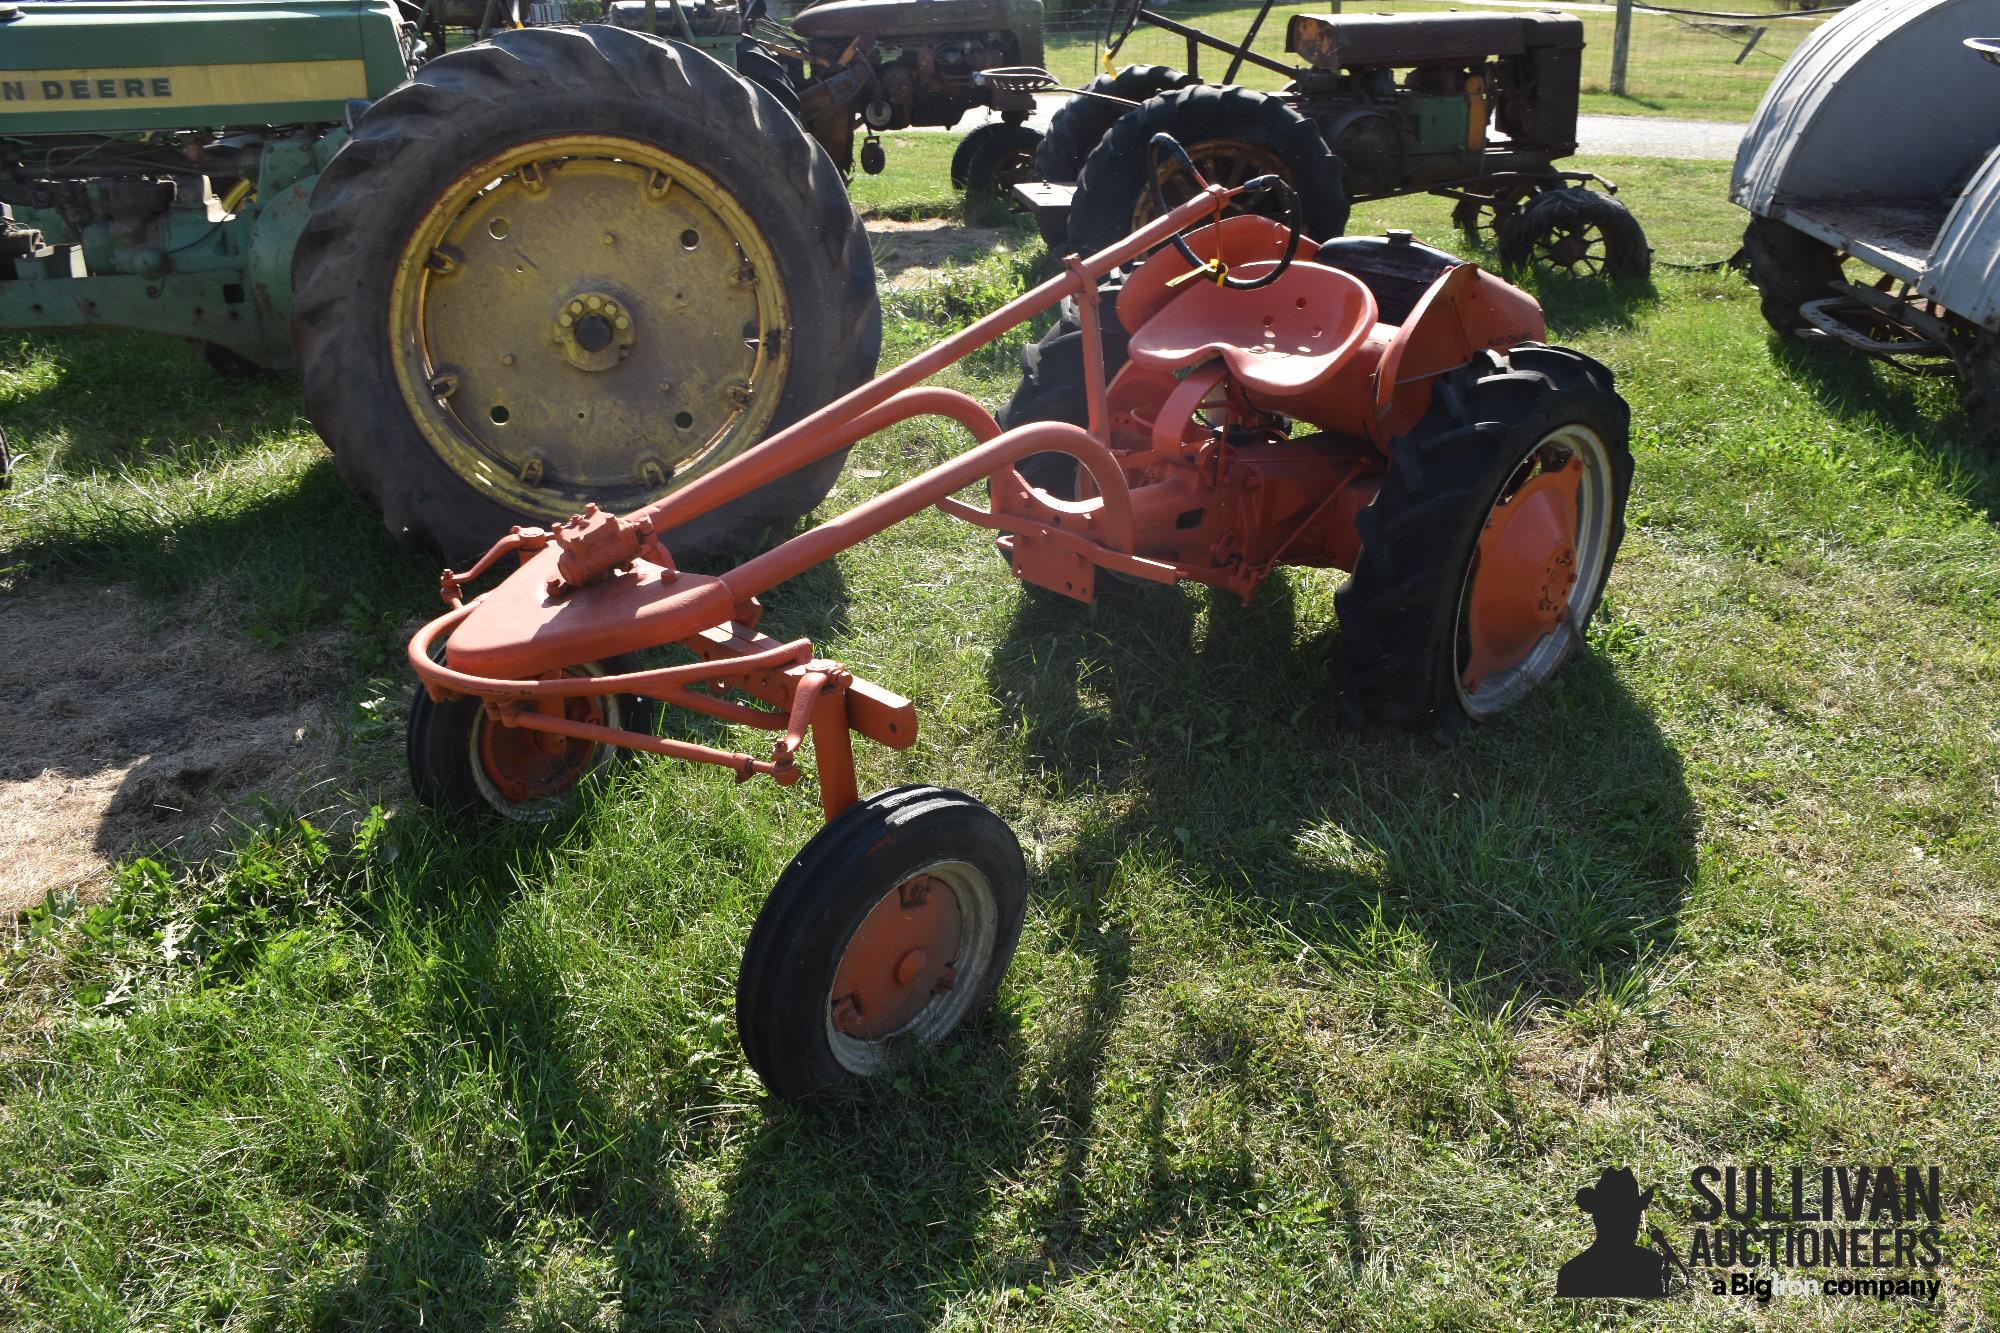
(866, 66)
(1475, 107)
(560, 265)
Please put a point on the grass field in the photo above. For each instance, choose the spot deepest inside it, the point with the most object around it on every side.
(1693, 68)
(1308, 1029)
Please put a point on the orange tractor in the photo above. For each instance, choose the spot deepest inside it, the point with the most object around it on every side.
(1379, 408)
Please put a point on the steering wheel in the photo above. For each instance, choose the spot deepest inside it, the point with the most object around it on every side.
(1118, 24)
(1258, 185)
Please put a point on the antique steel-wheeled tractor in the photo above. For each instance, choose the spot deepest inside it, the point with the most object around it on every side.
(1369, 405)
(1475, 107)
(558, 266)
(1875, 215)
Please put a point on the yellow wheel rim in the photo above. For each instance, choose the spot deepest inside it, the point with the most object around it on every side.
(586, 317)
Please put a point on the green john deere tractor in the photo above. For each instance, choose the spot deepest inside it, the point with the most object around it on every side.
(559, 265)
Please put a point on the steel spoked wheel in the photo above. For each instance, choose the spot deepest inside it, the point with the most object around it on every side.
(1536, 571)
(889, 929)
(541, 313)
(1479, 219)
(461, 759)
(1577, 232)
(1220, 162)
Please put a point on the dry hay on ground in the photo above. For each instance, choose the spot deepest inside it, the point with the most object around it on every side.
(121, 733)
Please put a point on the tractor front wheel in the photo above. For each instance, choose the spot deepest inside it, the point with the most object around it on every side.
(1576, 231)
(463, 762)
(568, 265)
(1486, 551)
(1788, 268)
(887, 931)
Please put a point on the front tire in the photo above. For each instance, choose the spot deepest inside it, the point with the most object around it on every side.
(1788, 268)
(1478, 571)
(887, 931)
(470, 253)
(463, 762)
(1578, 232)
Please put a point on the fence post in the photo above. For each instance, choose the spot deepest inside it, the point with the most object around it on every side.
(1621, 45)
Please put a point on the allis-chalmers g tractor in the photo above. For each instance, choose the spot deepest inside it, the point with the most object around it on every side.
(559, 266)
(1367, 404)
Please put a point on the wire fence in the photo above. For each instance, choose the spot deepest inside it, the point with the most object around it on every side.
(1692, 64)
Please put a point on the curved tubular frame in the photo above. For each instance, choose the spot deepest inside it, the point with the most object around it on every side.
(807, 695)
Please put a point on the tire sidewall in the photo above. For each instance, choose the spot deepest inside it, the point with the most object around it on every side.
(403, 186)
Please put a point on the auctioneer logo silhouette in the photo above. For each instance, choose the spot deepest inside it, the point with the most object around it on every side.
(1615, 1264)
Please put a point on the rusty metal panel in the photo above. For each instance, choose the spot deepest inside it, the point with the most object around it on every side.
(1883, 102)
(1964, 271)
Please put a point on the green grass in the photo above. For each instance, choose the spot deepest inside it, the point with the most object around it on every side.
(1674, 69)
(1307, 1029)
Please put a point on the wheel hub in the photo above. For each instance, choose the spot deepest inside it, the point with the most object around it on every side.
(1524, 571)
(902, 955)
(594, 330)
(581, 244)
(526, 765)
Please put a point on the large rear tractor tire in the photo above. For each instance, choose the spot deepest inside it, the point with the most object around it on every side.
(1486, 551)
(1232, 134)
(1788, 268)
(1085, 118)
(566, 265)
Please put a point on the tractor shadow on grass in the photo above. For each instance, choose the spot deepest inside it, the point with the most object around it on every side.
(168, 400)
(1856, 388)
(1539, 858)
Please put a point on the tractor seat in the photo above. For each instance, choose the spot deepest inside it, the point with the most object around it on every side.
(1281, 341)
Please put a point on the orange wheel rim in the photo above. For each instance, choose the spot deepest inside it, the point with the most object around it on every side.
(902, 955)
(526, 765)
(1524, 566)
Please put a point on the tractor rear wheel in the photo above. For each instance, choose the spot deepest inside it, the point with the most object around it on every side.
(888, 930)
(1232, 134)
(1053, 387)
(565, 265)
(1083, 120)
(1487, 549)
(1788, 268)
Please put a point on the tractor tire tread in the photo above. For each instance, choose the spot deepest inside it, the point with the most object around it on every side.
(513, 88)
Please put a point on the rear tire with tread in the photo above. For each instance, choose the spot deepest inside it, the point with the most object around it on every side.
(1788, 268)
(459, 110)
(1113, 182)
(1399, 613)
